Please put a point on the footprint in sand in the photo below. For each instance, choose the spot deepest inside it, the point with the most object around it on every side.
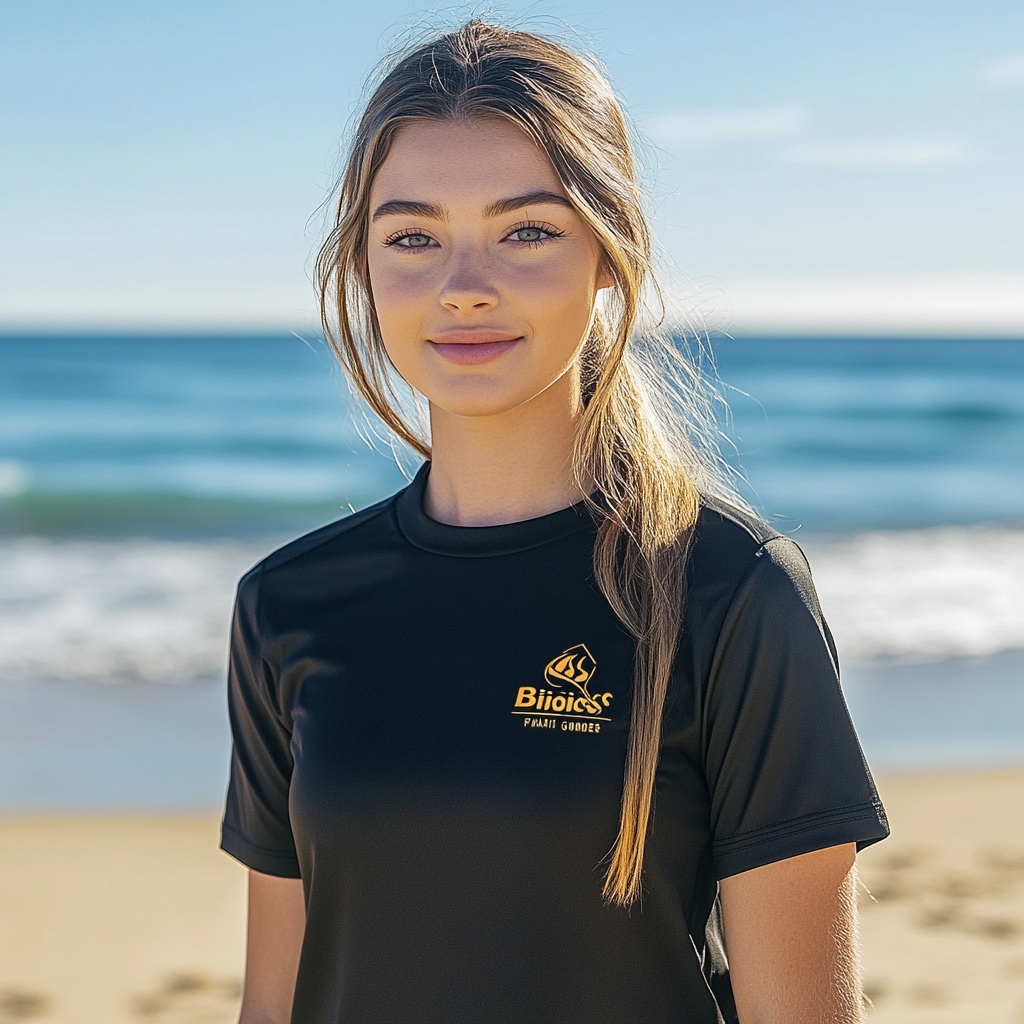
(16, 1005)
(189, 999)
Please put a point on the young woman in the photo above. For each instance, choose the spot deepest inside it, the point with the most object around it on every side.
(554, 734)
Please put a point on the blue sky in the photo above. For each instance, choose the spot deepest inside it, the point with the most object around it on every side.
(815, 166)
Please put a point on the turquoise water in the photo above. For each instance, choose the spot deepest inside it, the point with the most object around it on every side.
(223, 435)
(139, 477)
(179, 435)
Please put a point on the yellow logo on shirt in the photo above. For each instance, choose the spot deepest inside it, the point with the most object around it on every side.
(567, 695)
(574, 666)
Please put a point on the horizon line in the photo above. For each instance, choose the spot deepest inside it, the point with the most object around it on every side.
(798, 332)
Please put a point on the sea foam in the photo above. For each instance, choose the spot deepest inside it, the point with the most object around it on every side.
(136, 610)
(159, 610)
(943, 592)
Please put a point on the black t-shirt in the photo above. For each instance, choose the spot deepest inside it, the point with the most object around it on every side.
(430, 729)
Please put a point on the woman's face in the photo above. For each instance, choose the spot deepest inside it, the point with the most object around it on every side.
(484, 278)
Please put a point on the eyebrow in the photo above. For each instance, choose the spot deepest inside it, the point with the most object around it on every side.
(413, 208)
(530, 199)
(410, 208)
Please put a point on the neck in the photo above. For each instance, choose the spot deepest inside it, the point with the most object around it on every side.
(492, 470)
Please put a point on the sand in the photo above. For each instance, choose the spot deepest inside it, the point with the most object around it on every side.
(109, 920)
(121, 920)
(943, 937)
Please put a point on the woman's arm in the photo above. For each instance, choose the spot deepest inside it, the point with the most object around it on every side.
(791, 940)
(277, 918)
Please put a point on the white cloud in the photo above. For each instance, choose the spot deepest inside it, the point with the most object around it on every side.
(882, 153)
(1004, 70)
(704, 126)
(940, 306)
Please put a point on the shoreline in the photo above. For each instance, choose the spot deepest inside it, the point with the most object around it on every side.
(120, 918)
(71, 745)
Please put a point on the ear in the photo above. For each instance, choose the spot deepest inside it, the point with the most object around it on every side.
(604, 276)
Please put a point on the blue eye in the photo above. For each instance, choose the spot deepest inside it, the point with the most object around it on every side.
(528, 234)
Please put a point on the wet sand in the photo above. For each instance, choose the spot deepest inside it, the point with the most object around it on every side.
(129, 919)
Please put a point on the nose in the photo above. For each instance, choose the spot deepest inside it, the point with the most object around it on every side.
(468, 285)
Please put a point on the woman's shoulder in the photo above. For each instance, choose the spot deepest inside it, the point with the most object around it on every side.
(727, 537)
(307, 555)
(733, 550)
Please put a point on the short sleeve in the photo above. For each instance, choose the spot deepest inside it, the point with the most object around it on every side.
(256, 828)
(785, 770)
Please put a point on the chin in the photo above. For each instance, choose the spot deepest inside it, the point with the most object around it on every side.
(476, 400)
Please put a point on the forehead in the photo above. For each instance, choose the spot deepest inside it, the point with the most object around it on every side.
(462, 163)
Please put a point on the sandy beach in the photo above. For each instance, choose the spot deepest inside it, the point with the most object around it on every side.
(121, 920)
(107, 920)
(943, 929)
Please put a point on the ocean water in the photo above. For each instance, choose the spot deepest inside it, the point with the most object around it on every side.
(184, 436)
(847, 435)
(139, 477)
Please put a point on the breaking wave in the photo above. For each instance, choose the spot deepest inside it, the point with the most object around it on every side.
(142, 610)
(943, 592)
(159, 610)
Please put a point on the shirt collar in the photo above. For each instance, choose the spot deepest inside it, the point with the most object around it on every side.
(482, 541)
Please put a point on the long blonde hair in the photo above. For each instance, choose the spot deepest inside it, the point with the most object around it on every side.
(643, 440)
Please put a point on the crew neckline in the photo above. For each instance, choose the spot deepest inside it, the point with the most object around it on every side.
(481, 541)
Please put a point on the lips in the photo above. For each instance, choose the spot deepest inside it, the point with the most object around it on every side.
(470, 347)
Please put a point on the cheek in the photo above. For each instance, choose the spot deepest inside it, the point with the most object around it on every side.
(559, 295)
(389, 295)
(400, 299)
